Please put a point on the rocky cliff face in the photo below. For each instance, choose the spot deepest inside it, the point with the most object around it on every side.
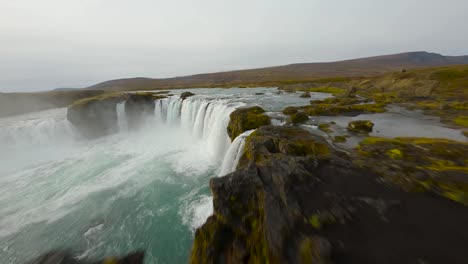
(138, 107)
(294, 199)
(96, 116)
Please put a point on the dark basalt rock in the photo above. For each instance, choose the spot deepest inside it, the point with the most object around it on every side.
(244, 119)
(294, 199)
(360, 126)
(65, 257)
(96, 116)
(138, 107)
(186, 95)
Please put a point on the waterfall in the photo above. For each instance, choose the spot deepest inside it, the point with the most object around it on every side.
(204, 119)
(121, 117)
(234, 153)
(35, 129)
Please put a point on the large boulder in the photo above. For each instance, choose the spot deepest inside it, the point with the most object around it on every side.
(138, 107)
(244, 119)
(294, 199)
(305, 95)
(96, 116)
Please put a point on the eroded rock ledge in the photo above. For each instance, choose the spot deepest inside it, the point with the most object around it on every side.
(96, 116)
(294, 199)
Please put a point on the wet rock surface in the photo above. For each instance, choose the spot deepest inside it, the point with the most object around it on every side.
(295, 199)
(96, 116)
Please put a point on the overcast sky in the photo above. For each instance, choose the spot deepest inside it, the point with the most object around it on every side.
(45, 44)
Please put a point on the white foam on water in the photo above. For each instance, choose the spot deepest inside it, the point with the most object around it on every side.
(197, 211)
(234, 153)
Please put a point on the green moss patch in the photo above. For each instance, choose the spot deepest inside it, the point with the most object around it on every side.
(244, 119)
(461, 121)
(430, 164)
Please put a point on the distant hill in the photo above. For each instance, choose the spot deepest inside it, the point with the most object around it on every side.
(64, 89)
(291, 73)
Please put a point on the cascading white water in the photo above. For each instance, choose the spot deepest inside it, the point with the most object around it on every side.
(205, 119)
(121, 117)
(35, 129)
(234, 153)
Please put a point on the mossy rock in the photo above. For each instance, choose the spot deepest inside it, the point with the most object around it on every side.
(299, 117)
(290, 110)
(421, 164)
(314, 250)
(461, 121)
(287, 140)
(305, 95)
(325, 127)
(244, 119)
(340, 139)
(333, 109)
(465, 133)
(186, 95)
(360, 126)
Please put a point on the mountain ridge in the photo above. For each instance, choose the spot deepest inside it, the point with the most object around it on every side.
(368, 66)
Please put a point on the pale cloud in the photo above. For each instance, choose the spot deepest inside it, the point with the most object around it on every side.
(61, 43)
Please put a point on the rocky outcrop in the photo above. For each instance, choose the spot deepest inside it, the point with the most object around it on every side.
(138, 107)
(294, 199)
(360, 126)
(186, 95)
(439, 166)
(96, 116)
(244, 119)
(305, 95)
(65, 257)
(346, 106)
